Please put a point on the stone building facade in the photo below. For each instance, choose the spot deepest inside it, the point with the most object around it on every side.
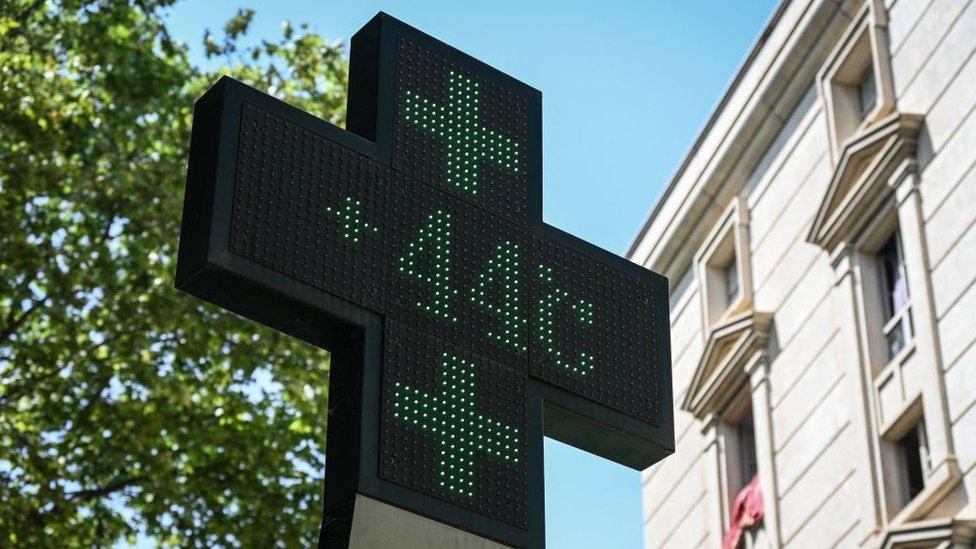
(820, 239)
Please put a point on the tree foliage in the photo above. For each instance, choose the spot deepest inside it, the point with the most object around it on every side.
(125, 406)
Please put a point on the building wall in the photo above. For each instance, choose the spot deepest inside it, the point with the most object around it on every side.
(943, 86)
(817, 406)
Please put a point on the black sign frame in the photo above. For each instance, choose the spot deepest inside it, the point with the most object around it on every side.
(354, 334)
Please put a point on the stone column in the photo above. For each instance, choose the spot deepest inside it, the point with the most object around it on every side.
(853, 358)
(758, 371)
(713, 462)
(926, 334)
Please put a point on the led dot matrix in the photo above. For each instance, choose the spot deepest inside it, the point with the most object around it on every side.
(548, 305)
(412, 244)
(457, 124)
(452, 417)
(350, 216)
(434, 243)
(503, 273)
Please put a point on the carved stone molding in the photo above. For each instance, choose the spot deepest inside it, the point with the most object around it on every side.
(860, 182)
(724, 367)
(947, 533)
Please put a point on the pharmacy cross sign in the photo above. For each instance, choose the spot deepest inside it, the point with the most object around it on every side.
(455, 421)
(411, 245)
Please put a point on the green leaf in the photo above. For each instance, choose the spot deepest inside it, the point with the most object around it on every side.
(125, 406)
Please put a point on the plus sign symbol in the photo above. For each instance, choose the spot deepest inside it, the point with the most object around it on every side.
(410, 245)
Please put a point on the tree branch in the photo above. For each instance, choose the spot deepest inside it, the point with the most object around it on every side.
(102, 491)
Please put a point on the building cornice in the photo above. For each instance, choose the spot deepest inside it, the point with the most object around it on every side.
(780, 68)
(757, 46)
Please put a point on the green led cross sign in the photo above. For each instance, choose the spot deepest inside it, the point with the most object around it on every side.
(460, 428)
(462, 328)
(458, 125)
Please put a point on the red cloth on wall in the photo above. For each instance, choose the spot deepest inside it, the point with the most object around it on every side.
(747, 510)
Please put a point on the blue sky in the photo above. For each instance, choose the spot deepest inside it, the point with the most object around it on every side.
(627, 85)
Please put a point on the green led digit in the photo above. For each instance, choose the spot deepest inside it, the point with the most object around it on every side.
(428, 259)
(459, 127)
(582, 312)
(350, 217)
(502, 274)
(452, 417)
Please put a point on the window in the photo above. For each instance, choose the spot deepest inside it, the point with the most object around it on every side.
(867, 93)
(746, 433)
(723, 269)
(912, 457)
(745, 521)
(740, 447)
(913, 462)
(731, 278)
(905, 462)
(855, 81)
(894, 289)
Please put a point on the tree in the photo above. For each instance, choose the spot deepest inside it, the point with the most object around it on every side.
(126, 406)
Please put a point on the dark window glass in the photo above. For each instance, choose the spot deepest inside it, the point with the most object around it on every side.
(893, 276)
(911, 448)
(867, 92)
(894, 290)
(895, 339)
(747, 448)
(731, 281)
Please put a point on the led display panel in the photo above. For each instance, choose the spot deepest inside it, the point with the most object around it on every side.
(412, 246)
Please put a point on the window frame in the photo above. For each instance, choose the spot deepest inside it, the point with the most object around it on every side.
(726, 246)
(873, 306)
(734, 455)
(863, 48)
(902, 318)
(894, 462)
